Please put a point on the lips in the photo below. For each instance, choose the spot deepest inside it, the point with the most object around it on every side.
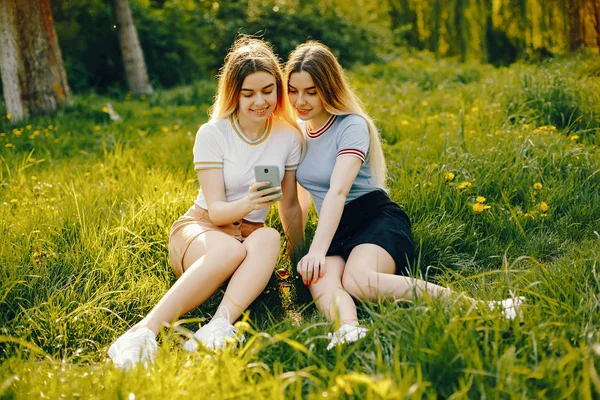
(302, 111)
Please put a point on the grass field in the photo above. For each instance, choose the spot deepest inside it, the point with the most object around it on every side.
(499, 170)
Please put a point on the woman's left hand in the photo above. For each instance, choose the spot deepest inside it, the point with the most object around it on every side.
(311, 267)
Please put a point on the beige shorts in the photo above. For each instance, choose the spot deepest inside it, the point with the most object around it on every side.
(195, 222)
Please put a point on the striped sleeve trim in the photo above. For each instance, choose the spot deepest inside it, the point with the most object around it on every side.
(291, 167)
(352, 152)
(208, 165)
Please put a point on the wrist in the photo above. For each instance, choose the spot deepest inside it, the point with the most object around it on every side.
(316, 250)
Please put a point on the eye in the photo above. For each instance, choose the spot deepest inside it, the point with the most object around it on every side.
(247, 95)
(311, 93)
(268, 92)
(292, 91)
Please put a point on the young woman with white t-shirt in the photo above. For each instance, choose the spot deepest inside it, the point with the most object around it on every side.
(363, 245)
(222, 235)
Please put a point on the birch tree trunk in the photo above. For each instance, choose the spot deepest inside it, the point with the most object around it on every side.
(33, 75)
(133, 57)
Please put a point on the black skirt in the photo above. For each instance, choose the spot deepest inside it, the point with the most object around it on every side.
(375, 219)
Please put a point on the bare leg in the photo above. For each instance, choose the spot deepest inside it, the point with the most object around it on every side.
(369, 274)
(330, 297)
(253, 274)
(210, 260)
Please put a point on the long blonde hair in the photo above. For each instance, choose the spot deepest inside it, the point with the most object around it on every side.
(246, 56)
(336, 95)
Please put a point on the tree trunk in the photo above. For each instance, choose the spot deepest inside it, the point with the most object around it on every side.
(596, 8)
(133, 58)
(33, 76)
(574, 25)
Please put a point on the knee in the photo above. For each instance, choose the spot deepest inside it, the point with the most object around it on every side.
(270, 238)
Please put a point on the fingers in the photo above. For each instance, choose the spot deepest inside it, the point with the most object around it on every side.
(311, 269)
(263, 198)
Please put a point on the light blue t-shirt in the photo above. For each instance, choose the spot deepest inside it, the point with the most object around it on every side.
(342, 135)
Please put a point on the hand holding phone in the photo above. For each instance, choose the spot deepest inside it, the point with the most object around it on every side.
(267, 173)
(267, 189)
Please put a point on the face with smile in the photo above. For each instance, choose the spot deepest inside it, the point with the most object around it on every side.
(257, 99)
(306, 100)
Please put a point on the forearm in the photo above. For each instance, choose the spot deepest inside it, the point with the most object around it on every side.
(226, 212)
(291, 220)
(329, 219)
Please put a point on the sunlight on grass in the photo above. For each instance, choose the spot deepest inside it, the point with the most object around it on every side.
(499, 170)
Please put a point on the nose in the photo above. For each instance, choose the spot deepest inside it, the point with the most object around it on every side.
(259, 100)
(300, 100)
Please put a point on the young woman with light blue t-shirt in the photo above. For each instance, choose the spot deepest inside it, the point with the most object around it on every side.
(363, 245)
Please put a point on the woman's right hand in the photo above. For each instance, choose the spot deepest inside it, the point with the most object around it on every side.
(311, 267)
(258, 199)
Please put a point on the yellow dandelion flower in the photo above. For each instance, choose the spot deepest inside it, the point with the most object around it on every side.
(33, 178)
(105, 109)
(529, 215)
(464, 185)
(543, 206)
(2, 134)
(404, 122)
(425, 103)
(574, 137)
(165, 129)
(17, 132)
(97, 128)
(497, 132)
(472, 132)
(87, 174)
(242, 326)
(480, 199)
(448, 175)
(9, 116)
(8, 145)
(474, 109)
(176, 126)
(480, 207)
(520, 137)
(28, 127)
(525, 126)
(31, 137)
(537, 186)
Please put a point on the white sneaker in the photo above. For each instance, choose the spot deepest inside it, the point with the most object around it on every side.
(510, 307)
(213, 335)
(346, 334)
(133, 347)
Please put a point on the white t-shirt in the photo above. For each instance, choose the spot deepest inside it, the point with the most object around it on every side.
(219, 145)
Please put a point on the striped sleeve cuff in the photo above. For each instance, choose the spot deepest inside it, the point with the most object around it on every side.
(291, 167)
(352, 152)
(208, 165)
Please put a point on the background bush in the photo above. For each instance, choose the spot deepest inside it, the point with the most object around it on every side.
(186, 40)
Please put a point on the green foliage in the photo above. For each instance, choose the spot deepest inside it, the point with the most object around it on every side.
(185, 40)
(86, 204)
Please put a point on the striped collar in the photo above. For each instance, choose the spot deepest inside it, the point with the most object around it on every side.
(238, 129)
(321, 130)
